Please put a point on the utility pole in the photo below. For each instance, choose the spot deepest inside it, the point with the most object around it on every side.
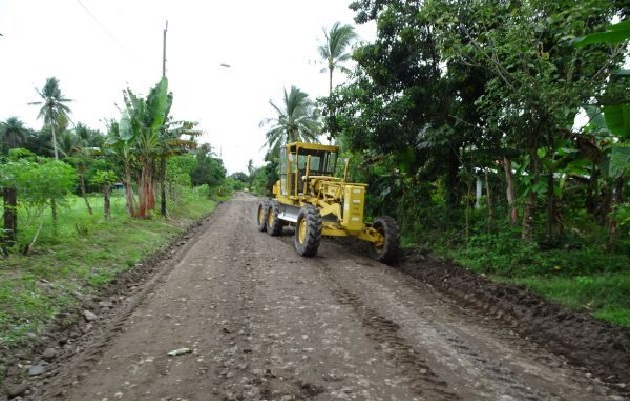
(163, 161)
(164, 51)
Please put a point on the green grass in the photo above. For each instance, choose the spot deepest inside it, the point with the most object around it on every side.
(603, 296)
(587, 278)
(77, 256)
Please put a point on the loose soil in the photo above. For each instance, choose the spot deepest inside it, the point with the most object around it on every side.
(265, 324)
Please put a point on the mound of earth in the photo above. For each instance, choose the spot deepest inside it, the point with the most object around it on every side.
(600, 347)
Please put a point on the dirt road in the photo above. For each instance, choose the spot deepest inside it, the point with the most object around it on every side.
(265, 324)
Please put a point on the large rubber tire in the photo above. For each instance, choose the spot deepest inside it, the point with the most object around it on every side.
(261, 215)
(274, 224)
(387, 251)
(308, 231)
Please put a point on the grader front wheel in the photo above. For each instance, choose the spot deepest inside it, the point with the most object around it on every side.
(261, 216)
(274, 224)
(386, 251)
(308, 231)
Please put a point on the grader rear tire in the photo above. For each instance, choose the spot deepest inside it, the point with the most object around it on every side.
(274, 224)
(308, 231)
(261, 215)
(386, 251)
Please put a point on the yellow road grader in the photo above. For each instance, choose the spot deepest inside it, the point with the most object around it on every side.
(309, 197)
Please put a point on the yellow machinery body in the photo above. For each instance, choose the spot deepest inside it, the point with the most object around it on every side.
(306, 177)
(309, 196)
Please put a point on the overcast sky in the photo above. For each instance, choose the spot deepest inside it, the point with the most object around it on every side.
(97, 48)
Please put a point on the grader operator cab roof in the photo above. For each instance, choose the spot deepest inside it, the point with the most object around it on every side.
(323, 157)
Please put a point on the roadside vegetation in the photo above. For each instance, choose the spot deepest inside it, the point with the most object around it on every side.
(80, 206)
(79, 254)
(496, 133)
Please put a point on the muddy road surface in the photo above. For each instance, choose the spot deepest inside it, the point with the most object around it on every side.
(266, 324)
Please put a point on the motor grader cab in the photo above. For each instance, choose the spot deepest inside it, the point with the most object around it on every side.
(308, 196)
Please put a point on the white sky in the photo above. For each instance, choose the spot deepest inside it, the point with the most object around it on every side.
(270, 45)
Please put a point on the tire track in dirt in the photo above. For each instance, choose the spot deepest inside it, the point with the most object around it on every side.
(248, 371)
(480, 359)
(423, 380)
(597, 346)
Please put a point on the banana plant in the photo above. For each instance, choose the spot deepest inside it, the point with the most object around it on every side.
(141, 126)
(617, 119)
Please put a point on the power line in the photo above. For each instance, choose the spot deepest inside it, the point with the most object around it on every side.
(112, 37)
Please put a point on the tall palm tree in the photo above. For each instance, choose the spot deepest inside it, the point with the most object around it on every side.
(13, 133)
(296, 121)
(333, 50)
(53, 107)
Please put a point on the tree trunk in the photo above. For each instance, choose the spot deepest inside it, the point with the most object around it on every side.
(84, 194)
(332, 118)
(452, 181)
(129, 191)
(527, 232)
(467, 213)
(163, 186)
(145, 190)
(9, 197)
(510, 192)
(52, 131)
(106, 207)
(53, 210)
(617, 199)
(489, 202)
(550, 208)
(150, 183)
(592, 191)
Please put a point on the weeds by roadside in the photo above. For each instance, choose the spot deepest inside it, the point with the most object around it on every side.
(72, 259)
(584, 277)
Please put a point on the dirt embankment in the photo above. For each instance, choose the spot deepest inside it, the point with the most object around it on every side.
(600, 347)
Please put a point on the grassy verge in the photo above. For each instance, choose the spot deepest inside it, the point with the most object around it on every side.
(588, 278)
(77, 256)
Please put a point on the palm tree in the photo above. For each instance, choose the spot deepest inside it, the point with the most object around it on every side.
(53, 108)
(13, 133)
(334, 48)
(333, 51)
(296, 120)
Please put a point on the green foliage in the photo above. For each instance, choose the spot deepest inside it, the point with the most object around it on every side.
(235, 184)
(208, 169)
(619, 160)
(102, 177)
(40, 181)
(142, 120)
(265, 177)
(614, 34)
(296, 120)
(605, 296)
(505, 255)
(179, 169)
(13, 134)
